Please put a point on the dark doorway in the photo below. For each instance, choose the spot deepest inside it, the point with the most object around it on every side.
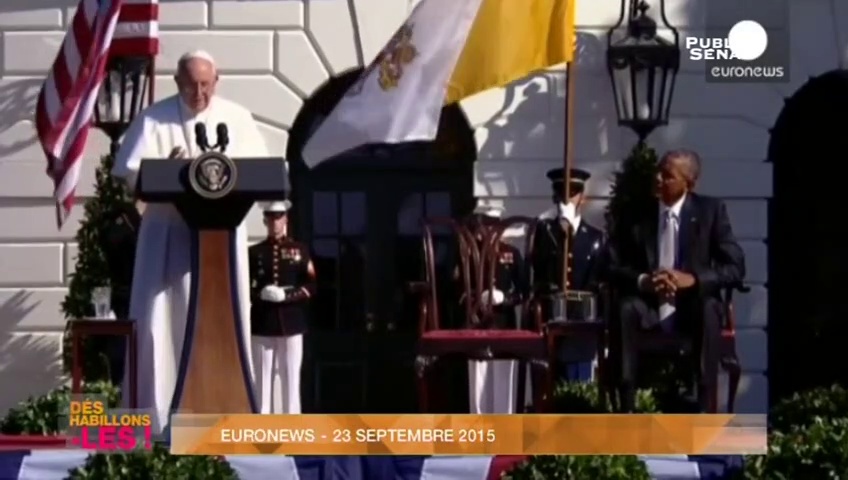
(360, 213)
(808, 260)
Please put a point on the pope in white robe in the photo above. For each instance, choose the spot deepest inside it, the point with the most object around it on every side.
(161, 281)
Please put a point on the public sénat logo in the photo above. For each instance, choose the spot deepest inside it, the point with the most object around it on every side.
(747, 40)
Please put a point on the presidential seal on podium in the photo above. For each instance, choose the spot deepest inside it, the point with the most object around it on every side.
(212, 175)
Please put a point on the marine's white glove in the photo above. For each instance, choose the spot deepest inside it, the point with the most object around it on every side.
(492, 297)
(273, 293)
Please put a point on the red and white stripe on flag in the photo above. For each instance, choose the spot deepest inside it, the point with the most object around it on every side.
(65, 107)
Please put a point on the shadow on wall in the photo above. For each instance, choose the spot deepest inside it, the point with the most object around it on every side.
(525, 138)
(30, 363)
(17, 104)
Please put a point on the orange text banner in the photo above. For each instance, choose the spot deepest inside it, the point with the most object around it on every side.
(468, 434)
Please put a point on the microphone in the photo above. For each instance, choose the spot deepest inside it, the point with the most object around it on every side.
(223, 136)
(200, 136)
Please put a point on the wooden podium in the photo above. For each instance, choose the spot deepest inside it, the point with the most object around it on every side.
(213, 194)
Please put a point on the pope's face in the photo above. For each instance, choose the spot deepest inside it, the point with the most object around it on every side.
(196, 84)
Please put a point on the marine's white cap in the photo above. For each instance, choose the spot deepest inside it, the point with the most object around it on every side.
(280, 206)
(196, 55)
(492, 211)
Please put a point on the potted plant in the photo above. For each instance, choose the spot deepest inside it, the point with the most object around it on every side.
(106, 251)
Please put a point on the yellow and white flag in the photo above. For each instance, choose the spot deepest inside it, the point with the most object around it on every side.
(446, 50)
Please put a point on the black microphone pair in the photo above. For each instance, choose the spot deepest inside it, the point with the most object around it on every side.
(203, 140)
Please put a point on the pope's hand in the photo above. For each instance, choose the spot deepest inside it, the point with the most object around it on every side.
(273, 293)
(177, 152)
(492, 297)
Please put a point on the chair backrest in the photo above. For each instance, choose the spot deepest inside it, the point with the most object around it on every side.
(431, 318)
(477, 265)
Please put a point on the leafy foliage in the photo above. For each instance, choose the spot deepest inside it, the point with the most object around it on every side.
(92, 269)
(155, 464)
(40, 415)
(576, 398)
(631, 192)
(579, 397)
(814, 450)
(807, 408)
(807, 439)
(586, 467)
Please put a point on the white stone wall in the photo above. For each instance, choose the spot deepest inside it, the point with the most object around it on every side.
(274, 53)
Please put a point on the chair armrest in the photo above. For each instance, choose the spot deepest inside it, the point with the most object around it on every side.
(730, 316)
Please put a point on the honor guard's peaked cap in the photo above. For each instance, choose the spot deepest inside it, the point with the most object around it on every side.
(577, 179)
(281, 206)
(490, 211)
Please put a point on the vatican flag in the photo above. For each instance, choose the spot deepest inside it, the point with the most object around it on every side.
(446, 50)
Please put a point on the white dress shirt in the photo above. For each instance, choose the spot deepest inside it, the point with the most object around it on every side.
(675, 212)
(662, 213)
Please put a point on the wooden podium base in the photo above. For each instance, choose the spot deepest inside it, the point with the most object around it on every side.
(214, 374)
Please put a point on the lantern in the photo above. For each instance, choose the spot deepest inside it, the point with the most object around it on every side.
(122, 96)
(643, 68)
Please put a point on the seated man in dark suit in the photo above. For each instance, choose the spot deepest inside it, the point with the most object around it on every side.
(669, 270)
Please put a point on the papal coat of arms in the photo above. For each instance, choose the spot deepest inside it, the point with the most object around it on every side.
(391, 61)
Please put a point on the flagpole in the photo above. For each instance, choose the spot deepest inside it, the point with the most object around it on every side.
(568, 160)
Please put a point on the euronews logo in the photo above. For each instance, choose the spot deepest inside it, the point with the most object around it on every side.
(738, 57)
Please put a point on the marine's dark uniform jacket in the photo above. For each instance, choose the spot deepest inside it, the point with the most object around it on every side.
(284, 263)
(510, 278)
(585, 254)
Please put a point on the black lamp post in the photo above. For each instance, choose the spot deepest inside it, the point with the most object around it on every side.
(643, 68)
(124, 93)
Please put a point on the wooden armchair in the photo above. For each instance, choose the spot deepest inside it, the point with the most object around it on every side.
(658, 341)
(474, 340)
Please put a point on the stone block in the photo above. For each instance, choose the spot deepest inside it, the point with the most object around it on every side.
(31, 264)
(272, 14)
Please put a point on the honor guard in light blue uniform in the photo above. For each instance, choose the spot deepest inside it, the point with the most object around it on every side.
(282, 283)
(585, 247)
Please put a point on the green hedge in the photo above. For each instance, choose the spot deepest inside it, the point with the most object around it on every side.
(808, 438)
(40, 415)
(579, 397)
(155, 464)
(587, 467)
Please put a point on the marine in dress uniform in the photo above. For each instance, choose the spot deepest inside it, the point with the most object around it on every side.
(585, 250)
(492, 383)
(282, 282)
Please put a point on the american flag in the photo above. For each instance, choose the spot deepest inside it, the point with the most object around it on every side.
(99, 29)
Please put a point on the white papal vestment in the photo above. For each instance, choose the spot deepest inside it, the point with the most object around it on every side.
(161, 280)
